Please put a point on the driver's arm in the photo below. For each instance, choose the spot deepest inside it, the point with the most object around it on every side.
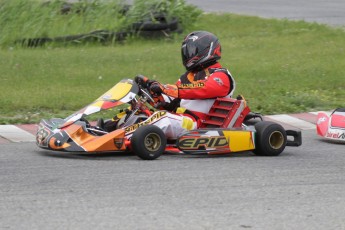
(216, 85)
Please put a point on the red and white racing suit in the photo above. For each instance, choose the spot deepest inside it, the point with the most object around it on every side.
(197, 91)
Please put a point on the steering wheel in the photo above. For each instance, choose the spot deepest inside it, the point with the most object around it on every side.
(144, 85)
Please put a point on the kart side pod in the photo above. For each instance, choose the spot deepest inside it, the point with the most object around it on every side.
(216, 141)
(268, 139)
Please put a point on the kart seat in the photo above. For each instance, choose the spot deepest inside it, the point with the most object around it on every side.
(226, 113)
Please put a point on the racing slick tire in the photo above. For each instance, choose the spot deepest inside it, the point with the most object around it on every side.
(148, 142)
(270, 140)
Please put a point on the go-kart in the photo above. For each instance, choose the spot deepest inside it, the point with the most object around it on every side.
(332, 127)
(230, 126)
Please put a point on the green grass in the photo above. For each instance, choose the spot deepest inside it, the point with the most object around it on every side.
(280, 67)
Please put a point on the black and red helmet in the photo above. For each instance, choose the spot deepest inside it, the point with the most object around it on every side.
(200, 49)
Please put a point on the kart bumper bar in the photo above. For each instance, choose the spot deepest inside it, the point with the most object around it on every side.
(296, 138)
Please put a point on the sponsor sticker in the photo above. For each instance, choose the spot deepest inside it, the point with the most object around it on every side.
(192, 85)
(336, 135)
(203, 142)
(156, 116)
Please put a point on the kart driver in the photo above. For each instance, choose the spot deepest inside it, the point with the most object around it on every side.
(196, 90)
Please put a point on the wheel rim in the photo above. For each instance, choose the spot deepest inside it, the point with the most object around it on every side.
(276, 140)
(152, 142)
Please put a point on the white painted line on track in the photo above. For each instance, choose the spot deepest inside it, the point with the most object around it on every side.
(15, 134)
(292, 121)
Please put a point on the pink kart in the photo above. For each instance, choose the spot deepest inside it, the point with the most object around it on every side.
(332, 126)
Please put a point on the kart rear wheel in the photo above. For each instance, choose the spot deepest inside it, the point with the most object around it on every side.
(148, 142)
(270, 139)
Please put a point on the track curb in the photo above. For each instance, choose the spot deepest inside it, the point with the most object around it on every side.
(26, 132)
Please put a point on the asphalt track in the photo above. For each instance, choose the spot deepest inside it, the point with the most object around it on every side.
(324, 12)
(303, 188)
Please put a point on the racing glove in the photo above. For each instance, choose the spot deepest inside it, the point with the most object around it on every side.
(156, 88)
(143, 81)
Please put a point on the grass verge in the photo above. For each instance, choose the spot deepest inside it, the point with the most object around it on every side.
(280, 66)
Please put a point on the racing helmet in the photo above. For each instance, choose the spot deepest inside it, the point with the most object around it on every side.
(199, 50)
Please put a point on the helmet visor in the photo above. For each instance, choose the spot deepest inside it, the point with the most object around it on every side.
(189, 50)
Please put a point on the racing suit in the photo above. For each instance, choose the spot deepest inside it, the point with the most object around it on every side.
(197, 92)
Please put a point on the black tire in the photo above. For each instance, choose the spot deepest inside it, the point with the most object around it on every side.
(148, 142)
(270, 139)
(156, 26)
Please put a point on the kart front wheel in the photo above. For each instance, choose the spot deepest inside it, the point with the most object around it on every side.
(270, 139)
(148, 142)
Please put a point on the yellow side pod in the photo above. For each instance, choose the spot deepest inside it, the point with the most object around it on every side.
(240, 140)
